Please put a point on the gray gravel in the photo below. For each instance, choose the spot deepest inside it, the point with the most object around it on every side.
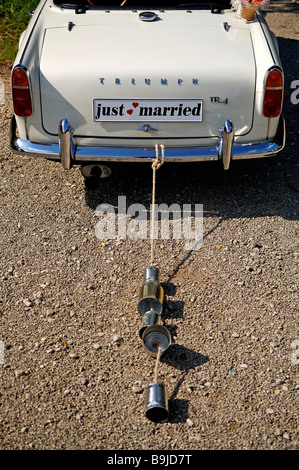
(74, 372)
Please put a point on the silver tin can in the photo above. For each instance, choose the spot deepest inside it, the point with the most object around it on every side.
(156, 408)
(148, 319)
(156, 336)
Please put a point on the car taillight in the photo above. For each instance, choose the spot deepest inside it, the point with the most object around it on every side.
(21, 92)
(273, 93)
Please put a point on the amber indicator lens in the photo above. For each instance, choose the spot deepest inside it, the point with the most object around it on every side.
(274, 79)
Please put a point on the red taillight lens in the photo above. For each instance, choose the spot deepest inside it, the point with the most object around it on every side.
(272, 103)
(21, 93)
(273, 93)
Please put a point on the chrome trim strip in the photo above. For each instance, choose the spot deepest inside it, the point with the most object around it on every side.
(141, 154)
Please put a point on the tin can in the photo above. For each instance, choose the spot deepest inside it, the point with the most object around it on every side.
(149, 319)
(156, 407)
(156, 336)
(151, 294)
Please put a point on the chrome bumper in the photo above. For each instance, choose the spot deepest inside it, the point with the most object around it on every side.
(225, 150)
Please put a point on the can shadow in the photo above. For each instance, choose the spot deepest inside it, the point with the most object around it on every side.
(181, 358)
(174, 309)
(171, 308)
(178, 410)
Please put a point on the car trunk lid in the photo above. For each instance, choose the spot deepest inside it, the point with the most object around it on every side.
(182, 79)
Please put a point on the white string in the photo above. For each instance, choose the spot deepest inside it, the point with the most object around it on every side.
(157, 163)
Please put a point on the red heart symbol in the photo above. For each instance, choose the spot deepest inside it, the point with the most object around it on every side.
(135, 105)
(130, 111)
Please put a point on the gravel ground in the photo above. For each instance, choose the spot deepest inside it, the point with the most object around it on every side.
(74, 371)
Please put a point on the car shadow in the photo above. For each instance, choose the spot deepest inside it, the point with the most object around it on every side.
(254, 188)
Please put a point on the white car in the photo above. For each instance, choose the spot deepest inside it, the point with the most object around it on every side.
(98, 81)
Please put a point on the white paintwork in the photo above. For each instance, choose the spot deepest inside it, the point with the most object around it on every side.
(152, 52)
(68, 69)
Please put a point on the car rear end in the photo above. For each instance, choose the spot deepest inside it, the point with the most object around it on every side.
(112, 83)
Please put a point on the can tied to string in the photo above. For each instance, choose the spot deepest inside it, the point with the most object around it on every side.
(156, 338)
(151, 294)
(156, 407)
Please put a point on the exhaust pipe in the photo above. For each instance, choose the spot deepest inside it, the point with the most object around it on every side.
(93, 174)
(95, 171)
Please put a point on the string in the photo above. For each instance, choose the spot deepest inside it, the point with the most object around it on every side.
(157, 363)
(156, 164)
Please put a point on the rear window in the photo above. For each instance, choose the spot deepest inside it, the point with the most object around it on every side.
(83, 5)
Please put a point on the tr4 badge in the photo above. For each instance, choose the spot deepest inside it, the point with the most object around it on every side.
(216, 99)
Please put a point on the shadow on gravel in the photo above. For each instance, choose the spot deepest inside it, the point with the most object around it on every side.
(185, 359)
(250, 189)
(281, 6)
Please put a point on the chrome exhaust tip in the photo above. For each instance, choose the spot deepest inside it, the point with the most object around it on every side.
(96, 171)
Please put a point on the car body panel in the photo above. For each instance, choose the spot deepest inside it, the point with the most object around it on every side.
(175, 64)
(218, 60)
